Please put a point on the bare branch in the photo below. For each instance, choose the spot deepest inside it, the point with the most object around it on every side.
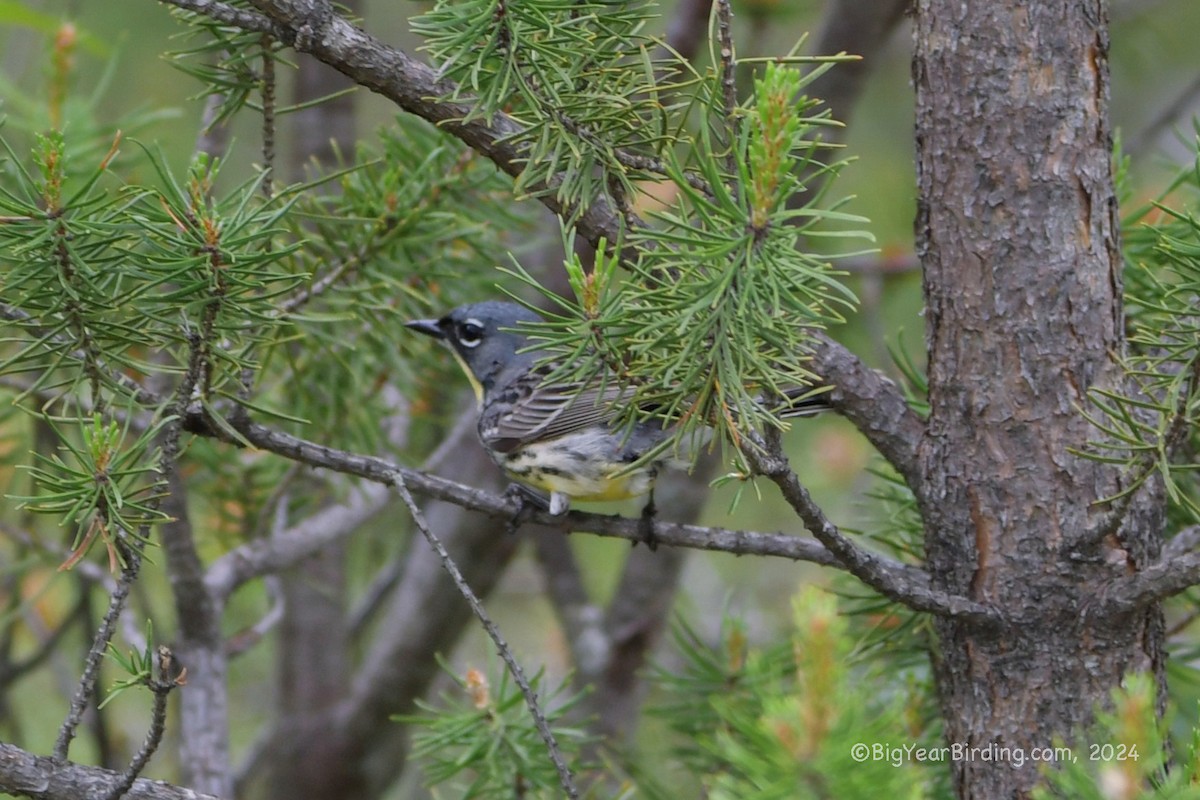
(244, 640)
(91, 665)
(728, 80)
(875, 405)
(278, 553)
(873, 570)
(379, 470)
(267, 91)
(23, 774)
(566, 780)
(1166, 577)
(1177, 569)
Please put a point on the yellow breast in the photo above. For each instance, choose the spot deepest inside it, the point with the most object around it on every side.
(552, 467)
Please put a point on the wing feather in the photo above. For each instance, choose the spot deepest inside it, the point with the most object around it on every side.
(533, 411)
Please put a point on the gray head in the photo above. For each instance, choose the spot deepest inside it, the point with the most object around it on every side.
(481, 335)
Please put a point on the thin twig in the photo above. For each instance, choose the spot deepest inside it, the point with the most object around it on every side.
(161, 688)
(728, 80)
(380, 470)
(91, 665)
(539, 718)
(902, 582)
(268, 115)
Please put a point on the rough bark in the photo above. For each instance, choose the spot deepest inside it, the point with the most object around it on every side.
(43, 778)
(1018, 234)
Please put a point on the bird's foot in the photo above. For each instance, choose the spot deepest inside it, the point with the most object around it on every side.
(646, 525)
(528, 503)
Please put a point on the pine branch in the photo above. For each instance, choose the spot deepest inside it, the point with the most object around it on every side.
(416, 87)
(23, 774)
(1146, 467)
(1170, 575)
(1177, 569)
(767, 458)
(874, 404)
(728, 81)
(276, 554)
(161, 687)
(379, 470)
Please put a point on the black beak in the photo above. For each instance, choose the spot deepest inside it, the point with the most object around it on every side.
(429, 327)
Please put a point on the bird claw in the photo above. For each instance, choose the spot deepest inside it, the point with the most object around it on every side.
(646, 525)
(528, 503)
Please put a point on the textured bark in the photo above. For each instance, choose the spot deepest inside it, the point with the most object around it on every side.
(1018, 234)
(24, 774)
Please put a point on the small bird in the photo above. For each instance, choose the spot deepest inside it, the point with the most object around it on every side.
(562, 439)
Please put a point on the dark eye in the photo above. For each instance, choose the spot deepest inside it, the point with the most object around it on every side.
(470, 333)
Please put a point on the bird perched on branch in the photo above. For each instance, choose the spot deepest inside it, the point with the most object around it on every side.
(559, 438)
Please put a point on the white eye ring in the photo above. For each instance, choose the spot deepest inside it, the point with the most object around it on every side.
(470, 333)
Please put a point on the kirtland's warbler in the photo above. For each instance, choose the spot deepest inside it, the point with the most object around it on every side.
(560, 438)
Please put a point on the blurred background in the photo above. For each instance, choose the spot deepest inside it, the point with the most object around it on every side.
(118, 65)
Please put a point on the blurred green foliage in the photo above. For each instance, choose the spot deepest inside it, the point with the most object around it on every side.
(403, 201)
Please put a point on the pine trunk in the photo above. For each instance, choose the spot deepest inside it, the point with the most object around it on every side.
(1018, 234)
